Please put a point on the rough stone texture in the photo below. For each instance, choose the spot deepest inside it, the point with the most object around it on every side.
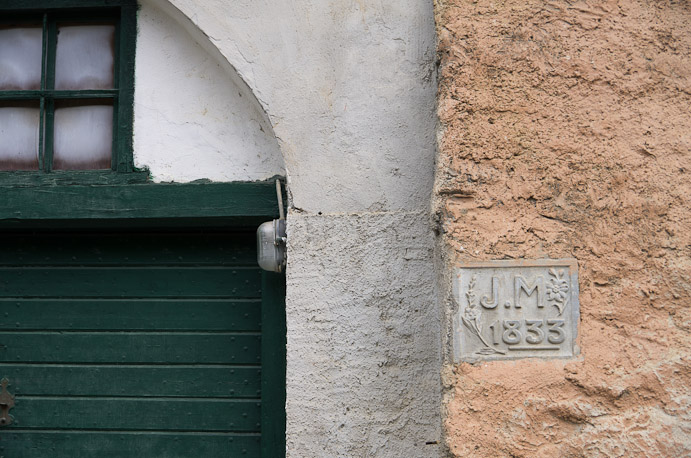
(364, 354)
(566, 132)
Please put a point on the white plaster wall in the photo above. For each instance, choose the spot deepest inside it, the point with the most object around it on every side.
(349, 89)
(192, 120)
(363, 337)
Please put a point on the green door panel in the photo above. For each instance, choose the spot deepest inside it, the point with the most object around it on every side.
(131, 314)
(69, 249)
(129, 347)
(114, 444)
(228, 381)
(105, 282)
(134, 344)
(142, 414)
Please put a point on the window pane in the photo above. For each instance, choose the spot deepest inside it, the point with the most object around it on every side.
(20, 58)
(83, 137)
(19, 137)
(84, 57)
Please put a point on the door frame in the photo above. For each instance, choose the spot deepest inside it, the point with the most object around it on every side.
(235, 206)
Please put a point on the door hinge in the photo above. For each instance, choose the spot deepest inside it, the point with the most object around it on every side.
(6, 403)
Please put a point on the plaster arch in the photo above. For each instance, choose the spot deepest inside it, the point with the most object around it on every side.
(195, 117)
(349, 87)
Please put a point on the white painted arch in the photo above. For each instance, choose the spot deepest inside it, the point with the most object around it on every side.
(348, 86)
(195, 118)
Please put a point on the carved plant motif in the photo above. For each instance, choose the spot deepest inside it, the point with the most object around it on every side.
(558, 290)
(470, 318)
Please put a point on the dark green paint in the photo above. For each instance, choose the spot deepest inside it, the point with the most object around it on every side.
(85, 94)
(239, 204)
(61, 444)
(137, 414)
(103, 372)
(41, 135)
(122, 149)
(50, 34)
(40, 5)
(274, 365)
(132, 314)
(129, 348)
(71, 178)
(128, 381)
(92, 249)
(114, 282)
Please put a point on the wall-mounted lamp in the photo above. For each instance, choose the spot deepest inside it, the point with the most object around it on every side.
(271, 240)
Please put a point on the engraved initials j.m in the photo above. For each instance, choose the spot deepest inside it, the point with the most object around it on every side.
(491, 302)
(519, 283)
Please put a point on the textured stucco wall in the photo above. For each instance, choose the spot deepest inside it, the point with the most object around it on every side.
(363, 337)
(565, 132)
(349, 89)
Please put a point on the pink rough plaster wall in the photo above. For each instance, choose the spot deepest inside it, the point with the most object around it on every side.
(565, 131)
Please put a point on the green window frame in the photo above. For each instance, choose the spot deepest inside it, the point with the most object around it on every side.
(121, 13)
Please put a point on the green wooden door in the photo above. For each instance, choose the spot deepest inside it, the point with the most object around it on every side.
(132, 344)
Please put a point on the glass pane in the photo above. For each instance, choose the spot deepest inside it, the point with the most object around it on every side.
(19, 137)
(20, 58)
(83, 137)
(84, 57)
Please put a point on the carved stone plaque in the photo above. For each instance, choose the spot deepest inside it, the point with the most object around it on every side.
(516, 309)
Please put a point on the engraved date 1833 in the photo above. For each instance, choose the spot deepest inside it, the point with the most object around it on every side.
(513, 332)
(522, 312)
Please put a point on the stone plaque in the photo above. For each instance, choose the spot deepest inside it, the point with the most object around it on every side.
(516, 309)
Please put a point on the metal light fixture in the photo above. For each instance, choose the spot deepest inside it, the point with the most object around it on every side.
(271, 240)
